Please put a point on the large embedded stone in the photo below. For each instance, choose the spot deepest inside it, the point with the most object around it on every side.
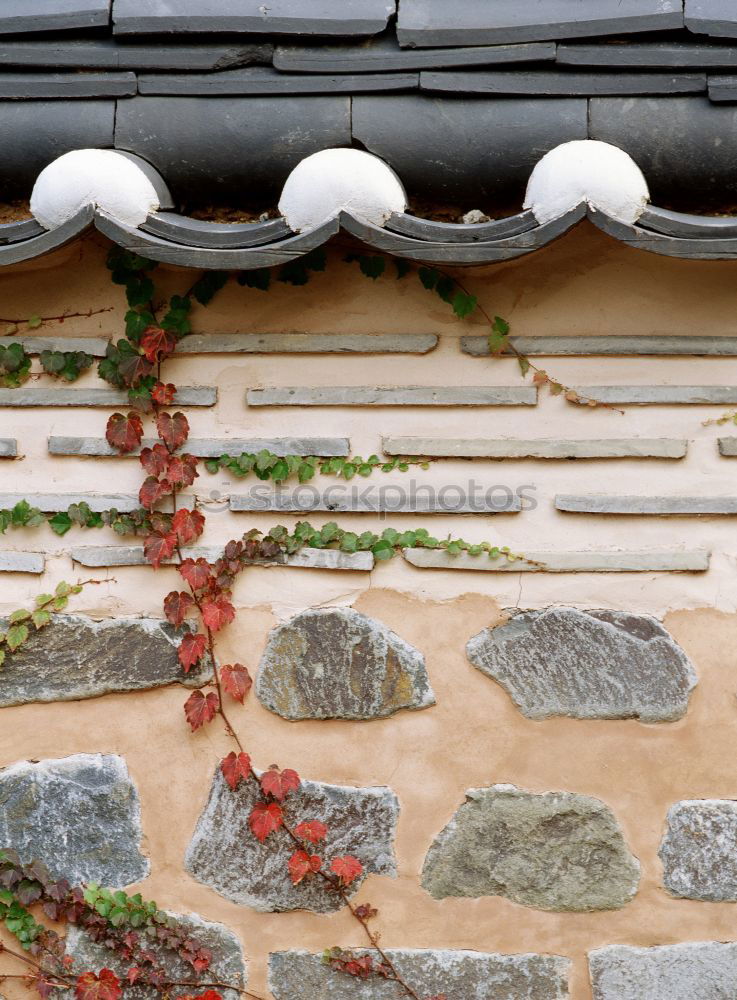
(225, 856)
(587, 664)
(555, 851)
(339, 664)
(79, 815)
(458, 975)
(76, 657)
(706, 970)
(227, 964)
(698, 850)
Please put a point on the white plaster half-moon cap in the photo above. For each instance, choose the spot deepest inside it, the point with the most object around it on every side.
(586, 170)
(110, 181)
(341, 180)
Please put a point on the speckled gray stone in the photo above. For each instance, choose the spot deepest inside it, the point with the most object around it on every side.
(76, 657)
(698, 850)
(80, 815)
(8, 448)
(188, 395)
(225, 856)
(22, 562)
(555, 851)
(694, 970)
(587, 665)
(617, 561)
(547, 448)
(460, 975)
(339, 664)
(227, 965)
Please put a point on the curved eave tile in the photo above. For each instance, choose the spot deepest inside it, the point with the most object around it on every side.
(214, 235)
(689, 248)
(17, 232)
(36, 246)
(681, 224)
(445, 232)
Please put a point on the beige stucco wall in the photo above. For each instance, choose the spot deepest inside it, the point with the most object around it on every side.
(585, 284)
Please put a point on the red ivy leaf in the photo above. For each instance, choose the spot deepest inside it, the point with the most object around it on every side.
(134, 368)
(133, 974)
(200, 709)
(189, 525)
(163, 394)
(312, 831)
(181, 470)
(124, 433)
(197, 574)
(278, 783)
(177, 605)
(157, 344)
(301, 864)
(106, 986)
(236, 681)
(347, 869)
(217, 612)
(173, 430)
(191, 650)
(158, 547)
(234, 767)
(154, 460)
(265, 819)
(151, 492)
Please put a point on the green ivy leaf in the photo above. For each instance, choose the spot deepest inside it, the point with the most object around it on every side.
(373, 267)
(464, 304)
(34, 322)
(16, 636)
(60, 523)
(524, 364)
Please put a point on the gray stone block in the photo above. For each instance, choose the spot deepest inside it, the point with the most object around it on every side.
(227, 964)
(383, 55)
(703, 969)
(648, 55)
(421, 134)
(52, 502)
(76, 657)
(105, 53)
(225, 856)
(728, 447)
(602, 504)
(556, 851)
(696, 561)
(308, 343)
(22, 562)
(53, 15)
(577, 346)
(205, 148)
(698, 852)
(56, 86)
(586, 665)
(95, 346)
(132, 555)
(662, 395)
(500, 395)
(339, 664)
(570, 83)
(363, 499)
(79, 815)
(424, 23)
(460, 975)
(8, 448)
(265, 80)
(193, 395)
(302, 17)
(711, 17)
(547, 448)
(209, 447)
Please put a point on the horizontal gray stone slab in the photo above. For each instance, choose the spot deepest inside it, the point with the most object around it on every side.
(106, 53)
(664, 395)
(696, 561)
(554, 851)
(536, 448)
(560, 84)
(227, 964)
(697, 851)
(501, 395)
(79, 815)
(224, 855)
(22, 562)
(308, 17)
(425, 23)
(658, 345)
(53, 15)
(132, 555)
(308, 343)
(53, 502)
(265, 80)
(648, 55)
(186, 396)
(8, 448)
(586, 665)
(95, 346)
(363, 499)
(723, 88)
(209, 447)
(76, 657)
(50, 86)
(339, 664)
(711, 17)
(603, 504)
(460, 975)
(727, 447)
(703, 969)
(383, 55)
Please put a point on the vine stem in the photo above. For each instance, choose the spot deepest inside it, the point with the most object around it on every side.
(57, 319)
(4, 950)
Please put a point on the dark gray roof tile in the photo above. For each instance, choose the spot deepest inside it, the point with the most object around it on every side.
(723, 88)
(712, 17)
(426, 23)
(265, 80)
(648, 55)
(52, 15)
(106, 53)
(561, 84)
(304, 17)
(55, 86)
